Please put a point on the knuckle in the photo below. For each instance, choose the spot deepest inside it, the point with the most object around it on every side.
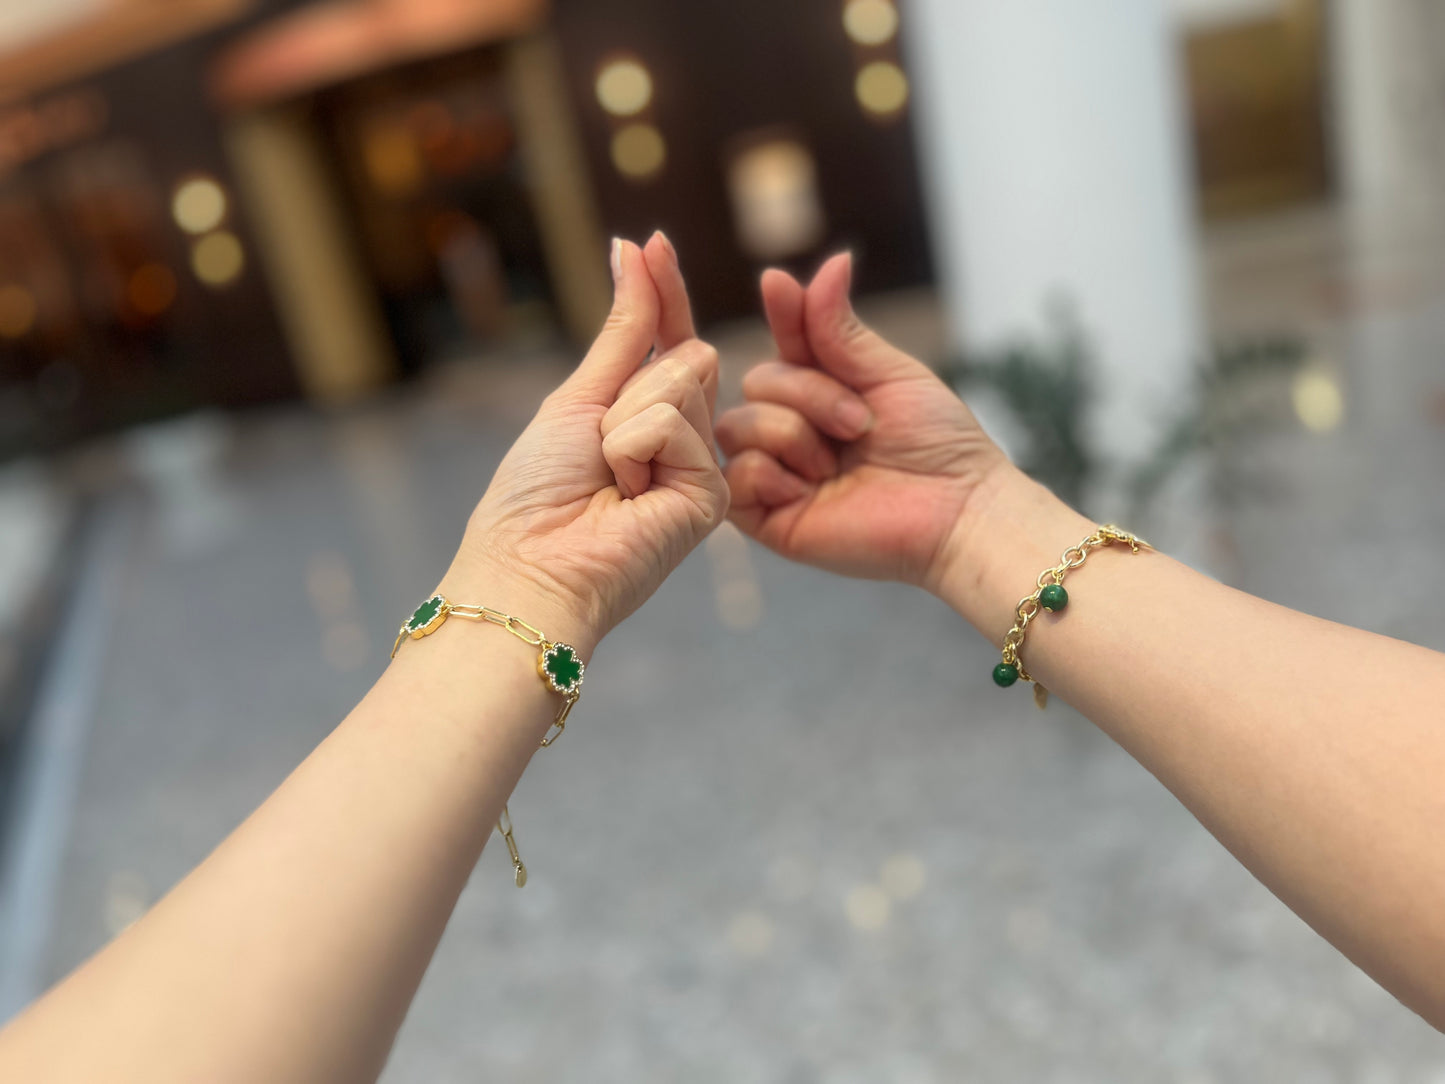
(676, 374)
(610, 421)
(618, 319)
(704, 354)
(755, 380)
(795, 426)
(851, 330)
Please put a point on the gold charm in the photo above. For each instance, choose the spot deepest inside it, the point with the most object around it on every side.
(559, 666)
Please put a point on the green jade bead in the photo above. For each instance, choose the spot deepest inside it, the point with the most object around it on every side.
(1053, 598)
(1005, 674)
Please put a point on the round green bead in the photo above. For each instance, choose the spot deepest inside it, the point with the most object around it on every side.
(1053, 598)
(1005, 674)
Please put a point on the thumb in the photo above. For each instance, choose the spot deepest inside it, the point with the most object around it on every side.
(844, 345)
(626, 338)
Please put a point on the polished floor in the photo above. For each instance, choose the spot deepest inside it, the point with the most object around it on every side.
(794, 834)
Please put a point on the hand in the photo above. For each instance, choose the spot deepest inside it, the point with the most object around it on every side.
(849, 454)
(615, 480)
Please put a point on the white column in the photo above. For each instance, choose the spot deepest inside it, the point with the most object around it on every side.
(1389, 90)
(1052, 137)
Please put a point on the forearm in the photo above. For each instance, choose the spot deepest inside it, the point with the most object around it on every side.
(1311, 750)
(292, 952)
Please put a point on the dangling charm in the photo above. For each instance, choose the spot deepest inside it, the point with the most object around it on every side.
(561, 668)
(424, 621)
(559, 665)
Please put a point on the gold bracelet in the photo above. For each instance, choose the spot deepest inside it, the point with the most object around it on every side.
(558, 665)
(1051, 596)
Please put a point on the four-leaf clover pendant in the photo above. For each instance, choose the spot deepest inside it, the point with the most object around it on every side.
(561, 668)
(424, 621)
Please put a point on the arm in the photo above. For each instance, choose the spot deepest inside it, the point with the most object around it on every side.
(293, 951)
(1313, 751)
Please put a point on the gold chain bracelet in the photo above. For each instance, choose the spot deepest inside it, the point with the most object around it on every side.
(1051, 596)
(558, 665)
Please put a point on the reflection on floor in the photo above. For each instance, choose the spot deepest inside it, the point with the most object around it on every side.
(795, 833)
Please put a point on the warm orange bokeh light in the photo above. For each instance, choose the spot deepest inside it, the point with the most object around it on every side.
(151, 289)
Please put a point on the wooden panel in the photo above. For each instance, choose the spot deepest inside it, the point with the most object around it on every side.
(1256, 97)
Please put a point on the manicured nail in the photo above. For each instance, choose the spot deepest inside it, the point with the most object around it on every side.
(854, 416)
(617, 261)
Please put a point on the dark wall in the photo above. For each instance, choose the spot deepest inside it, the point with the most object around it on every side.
(99, 365)
(722, 68)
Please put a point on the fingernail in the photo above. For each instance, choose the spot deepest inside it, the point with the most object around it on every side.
(793, 487)
(854, 416)
(667, 243)
(617, 261)
(848, 278)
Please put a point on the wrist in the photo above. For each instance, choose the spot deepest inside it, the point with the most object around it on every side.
(1011, 529)
(477, 577)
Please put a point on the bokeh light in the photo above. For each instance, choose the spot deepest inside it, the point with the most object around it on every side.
(870, 22)
(903, 876)
(218, 259)
(777, 206)
(639, 151)
(151, 289)
(199, 205)
(882, 88)
(391, 158)
(17, 311)
(624, 88)
(868, 907)
(751, 934)
(1318, 401)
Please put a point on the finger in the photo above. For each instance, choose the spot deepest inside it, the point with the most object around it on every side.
(701, 358)
(781, 432)
(659, 448)
(783, 302)
(628, 334)
(674, 323)
(673, 378)
(760, 484)
(830, 405)
(842, 343)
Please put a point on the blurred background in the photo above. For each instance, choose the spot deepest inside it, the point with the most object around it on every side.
(280, 280)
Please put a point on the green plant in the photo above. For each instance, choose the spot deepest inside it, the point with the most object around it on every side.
(1049, 388)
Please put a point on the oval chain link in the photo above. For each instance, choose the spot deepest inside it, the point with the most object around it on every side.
(1028, 608)
(528, 634)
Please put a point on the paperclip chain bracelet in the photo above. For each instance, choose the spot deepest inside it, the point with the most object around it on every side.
(558, 665)
(1051, 596)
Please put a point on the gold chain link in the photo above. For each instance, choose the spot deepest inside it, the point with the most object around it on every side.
(1028, 608)
(515, 625)
(528, 634)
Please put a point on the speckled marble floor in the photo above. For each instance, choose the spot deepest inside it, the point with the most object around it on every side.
(794, 834)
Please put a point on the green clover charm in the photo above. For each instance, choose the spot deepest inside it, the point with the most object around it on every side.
(428, 617)
(561, 668)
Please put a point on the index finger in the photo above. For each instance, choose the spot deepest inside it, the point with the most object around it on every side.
(783, 298)
(674, 323)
